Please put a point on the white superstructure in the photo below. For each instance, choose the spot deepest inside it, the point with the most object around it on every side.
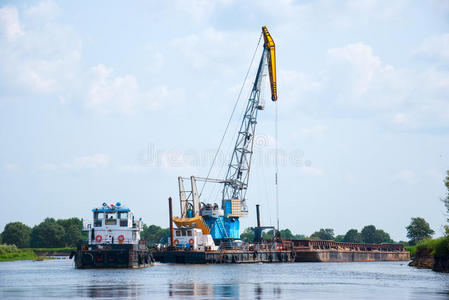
(113, 224)
(193, 238)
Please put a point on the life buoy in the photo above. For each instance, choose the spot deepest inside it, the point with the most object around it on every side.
(98, 238)
(191, 242)
(121, 238)
(176, 242)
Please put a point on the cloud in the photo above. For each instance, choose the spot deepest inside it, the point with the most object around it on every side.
(11, 167)
(112, 93)
(27, 60)
(10, 25)
(199, 10)
(406, 176)
(82, 162)
(317, 130)
(44, 10)
(309, 170)
(364, 64)
(109, 93)
(435, 47)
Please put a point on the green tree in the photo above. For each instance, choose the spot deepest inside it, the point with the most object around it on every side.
(339, 238)
(16, 233)
(446, 201)
(382, 237)
(370, 234)
(73, 231)
(352, 236)
(154, 234)
(299, 237)
(48, 234)
(287, 234)
(419, 230)
(323, 234)
(247, 235)
(73, 236)
(268, 235)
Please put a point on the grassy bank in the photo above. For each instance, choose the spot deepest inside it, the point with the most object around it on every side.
(411, 249)
(439, 248)
(68, 249)
(11, 252)
(432, 254)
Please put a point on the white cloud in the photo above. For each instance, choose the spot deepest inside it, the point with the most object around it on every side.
(210, 49)
(360, 57)
(11, 167)
(43, 10)
(109, 93)
(9, 21)
(199, 10)
(82, 162)
(400, 118)
(435, 47)
(317, 130)
(406, 176)
(309, 170)
(43, 57)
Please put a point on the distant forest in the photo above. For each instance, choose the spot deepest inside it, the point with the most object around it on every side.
(52, 233)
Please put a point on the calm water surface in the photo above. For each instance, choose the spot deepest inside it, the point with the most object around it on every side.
(378, 280)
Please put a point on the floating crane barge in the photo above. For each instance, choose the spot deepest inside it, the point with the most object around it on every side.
(209, 233)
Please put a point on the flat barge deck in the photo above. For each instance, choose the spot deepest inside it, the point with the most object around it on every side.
(330, 251)
(288, 251)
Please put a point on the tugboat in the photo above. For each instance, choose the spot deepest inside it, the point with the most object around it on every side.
(113, 240)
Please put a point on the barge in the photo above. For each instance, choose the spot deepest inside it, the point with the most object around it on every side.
(330, 251)
(113, 240)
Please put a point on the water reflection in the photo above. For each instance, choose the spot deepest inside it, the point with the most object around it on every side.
(109, 291)
(201, 289)
(228, 290)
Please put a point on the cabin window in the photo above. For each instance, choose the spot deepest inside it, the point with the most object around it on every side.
(123, 216)
(178, 233)
(189, 232)
(97, 223)
(110, 222)
(184, 233)
(110, 216)
(98, 215)
(124, 223)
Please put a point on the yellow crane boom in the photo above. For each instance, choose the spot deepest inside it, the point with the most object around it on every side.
(269, 45)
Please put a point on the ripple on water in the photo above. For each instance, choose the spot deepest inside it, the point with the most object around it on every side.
(378, 280)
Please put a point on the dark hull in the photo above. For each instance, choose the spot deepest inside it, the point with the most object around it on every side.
(330, 251)
(112, 256)
(225, 257)
(350, 256)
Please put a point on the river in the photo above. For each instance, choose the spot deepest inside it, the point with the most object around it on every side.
(374, 280)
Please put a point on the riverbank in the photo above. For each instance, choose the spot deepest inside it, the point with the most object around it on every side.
(432, 254)
(12, 253)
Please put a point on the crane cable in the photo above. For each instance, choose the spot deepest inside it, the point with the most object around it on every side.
(230, 118)
(276, 162)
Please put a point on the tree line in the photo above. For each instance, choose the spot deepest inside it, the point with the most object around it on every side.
(52, 233)
(61, 233)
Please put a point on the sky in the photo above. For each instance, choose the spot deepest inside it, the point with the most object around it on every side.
(110, 101)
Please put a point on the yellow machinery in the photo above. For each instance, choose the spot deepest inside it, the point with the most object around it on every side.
(269, 45)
